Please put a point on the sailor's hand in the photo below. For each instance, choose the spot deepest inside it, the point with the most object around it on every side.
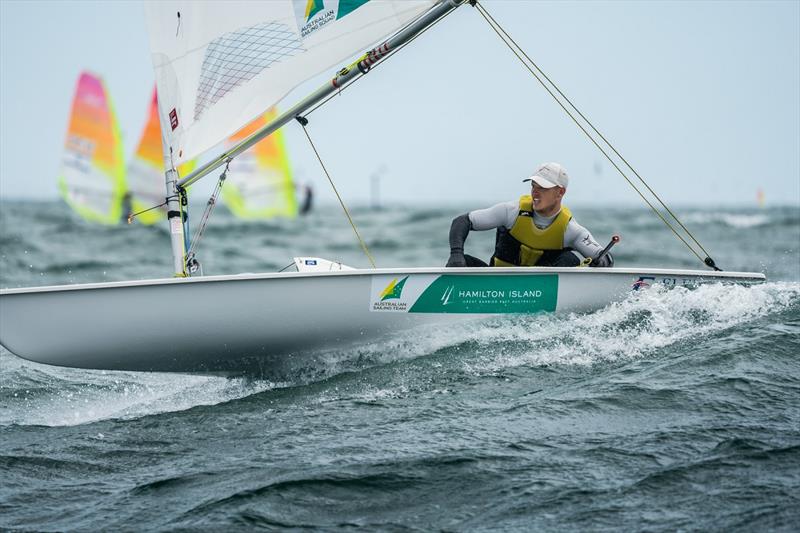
(605, 261)
(456, 258)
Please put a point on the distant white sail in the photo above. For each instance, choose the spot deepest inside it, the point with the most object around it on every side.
(220, 64)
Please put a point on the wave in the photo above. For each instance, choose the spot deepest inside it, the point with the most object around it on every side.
(54, 396)
(733, 220)
(643, 323)
(438, 360)
(642, 219)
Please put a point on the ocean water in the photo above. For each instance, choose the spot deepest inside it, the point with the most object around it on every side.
(670, 410)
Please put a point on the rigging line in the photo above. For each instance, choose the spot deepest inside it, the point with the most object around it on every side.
(346, 212)
(591, 125)
(134, 215)
(573, 106)
(390, 54)
(481, 10)
(212, 202)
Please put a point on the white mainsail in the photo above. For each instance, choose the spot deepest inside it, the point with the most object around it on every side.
(220, 64)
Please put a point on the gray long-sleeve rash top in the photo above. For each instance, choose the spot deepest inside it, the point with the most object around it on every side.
(505, 214)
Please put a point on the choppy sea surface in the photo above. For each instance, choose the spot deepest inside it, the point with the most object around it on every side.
(670, 410)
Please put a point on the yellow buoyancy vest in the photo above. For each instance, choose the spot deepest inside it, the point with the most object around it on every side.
(530, 241)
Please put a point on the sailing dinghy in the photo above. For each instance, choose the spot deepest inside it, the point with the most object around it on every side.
(218, 66)
(92, 176)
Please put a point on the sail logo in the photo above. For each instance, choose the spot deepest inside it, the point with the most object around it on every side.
(313, 7)
(173, 119)
(394, 290)
(313, 15)
(92, 100)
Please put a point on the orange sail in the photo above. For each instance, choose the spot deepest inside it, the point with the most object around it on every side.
(92, 175)
(259, 181)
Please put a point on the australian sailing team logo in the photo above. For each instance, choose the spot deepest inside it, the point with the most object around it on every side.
(390, 298)
(312, 15)
(394, 290)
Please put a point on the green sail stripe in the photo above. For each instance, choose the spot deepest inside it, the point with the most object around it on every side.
(348, 6)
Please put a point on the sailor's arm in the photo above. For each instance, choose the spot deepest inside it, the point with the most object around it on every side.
(480, 219)
(579, 239)
(459, 230)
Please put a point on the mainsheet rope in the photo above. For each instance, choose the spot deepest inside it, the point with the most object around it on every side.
(303, 121)
(519, 52)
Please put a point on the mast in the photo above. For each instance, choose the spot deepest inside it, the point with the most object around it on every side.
(175, 218)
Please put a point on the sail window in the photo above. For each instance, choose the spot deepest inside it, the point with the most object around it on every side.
(237, 57)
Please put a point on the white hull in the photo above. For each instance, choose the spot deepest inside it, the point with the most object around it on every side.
(223, 321)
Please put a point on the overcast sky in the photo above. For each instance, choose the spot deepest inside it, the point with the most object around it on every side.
(703, 98)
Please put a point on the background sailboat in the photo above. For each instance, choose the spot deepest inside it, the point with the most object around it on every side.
(92, 175)
(260, 183)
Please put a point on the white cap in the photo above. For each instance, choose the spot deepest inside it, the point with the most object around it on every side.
(550, 175)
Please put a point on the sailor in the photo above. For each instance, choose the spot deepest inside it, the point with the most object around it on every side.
(127, 208)
(536, 230)
(308, 199)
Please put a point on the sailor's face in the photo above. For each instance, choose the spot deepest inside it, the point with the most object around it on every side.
(546, 199)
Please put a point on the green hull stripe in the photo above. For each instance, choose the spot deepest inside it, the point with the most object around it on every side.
(489, 294)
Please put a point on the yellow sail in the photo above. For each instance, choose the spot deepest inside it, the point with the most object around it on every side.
(259, 183)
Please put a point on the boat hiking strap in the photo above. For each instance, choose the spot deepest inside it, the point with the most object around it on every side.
(304, 122)
(527, 62)
(212, 202)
